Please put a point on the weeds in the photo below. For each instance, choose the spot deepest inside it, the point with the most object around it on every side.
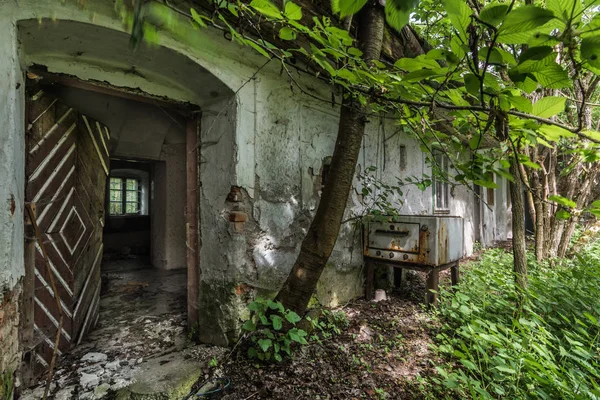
(548, 348)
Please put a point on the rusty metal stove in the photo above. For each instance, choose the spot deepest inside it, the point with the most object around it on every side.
(428, 243)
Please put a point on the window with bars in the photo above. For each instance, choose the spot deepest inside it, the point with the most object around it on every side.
(441, 188)
(124, 196)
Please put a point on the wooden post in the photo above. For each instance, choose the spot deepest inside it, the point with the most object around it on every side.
(433, 279)
(455, 274)
(192, 184)
(399, 276)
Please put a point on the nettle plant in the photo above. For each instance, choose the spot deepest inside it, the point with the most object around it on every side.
(269, 340)
(331, 323)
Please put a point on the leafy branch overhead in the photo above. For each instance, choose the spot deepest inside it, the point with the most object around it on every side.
(497, 77)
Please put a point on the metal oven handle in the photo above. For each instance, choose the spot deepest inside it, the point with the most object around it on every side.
(395, 233)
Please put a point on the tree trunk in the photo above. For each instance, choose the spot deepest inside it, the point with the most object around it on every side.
(323, 232)
(518, 226)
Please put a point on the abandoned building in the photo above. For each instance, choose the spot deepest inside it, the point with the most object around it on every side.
(190, 155)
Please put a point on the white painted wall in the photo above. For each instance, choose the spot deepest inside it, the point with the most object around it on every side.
(12, 169)
(12, 158)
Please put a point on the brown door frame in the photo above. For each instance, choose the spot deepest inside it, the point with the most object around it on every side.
(192, 225)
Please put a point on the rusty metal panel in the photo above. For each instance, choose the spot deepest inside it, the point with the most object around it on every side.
(418, 239)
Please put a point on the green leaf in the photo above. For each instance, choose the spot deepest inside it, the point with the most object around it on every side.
(498, 56)
(565, 9)
(548, 106)
(256, 47)
(590, 50)
(421, 74)
(263, 319)
(563, 201)
(266, 8)
(277, 322)
(417, 63)
(493, 14)
(521, 21)
(252, 353)
(264, 344)
(525, 82)
(472, 84)
(249, 326)
(554, 133)
(287, 33)
(349, 7)
(460, 16)
(562, 214)
(397, 12)
(293, 11)
(353, 51)
(505, 369)
(197, 18)
(469, 364)
(553, 76)
(292, 317)
(521, 103)
(536, 53)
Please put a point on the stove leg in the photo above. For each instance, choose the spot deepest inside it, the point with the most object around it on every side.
(370, 279)
(433, 279)
(454, 274)
(399, 276)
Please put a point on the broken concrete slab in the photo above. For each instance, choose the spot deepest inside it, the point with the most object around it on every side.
(94, 357)
(167, 377)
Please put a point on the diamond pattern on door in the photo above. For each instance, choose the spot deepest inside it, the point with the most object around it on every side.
(66, 168)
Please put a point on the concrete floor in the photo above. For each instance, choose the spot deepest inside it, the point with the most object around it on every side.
(140, 336)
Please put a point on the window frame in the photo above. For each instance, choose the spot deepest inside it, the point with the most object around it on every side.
(443, 163)
(123, 190)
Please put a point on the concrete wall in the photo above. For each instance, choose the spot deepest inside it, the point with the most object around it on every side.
(256, 135)
(12, 169)
(168, 208)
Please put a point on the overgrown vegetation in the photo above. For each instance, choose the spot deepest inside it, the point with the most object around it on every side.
(272, 329)
(269, 338)
(548, 348)
(7, 385)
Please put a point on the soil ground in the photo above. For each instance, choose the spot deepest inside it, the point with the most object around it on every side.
(382, 354)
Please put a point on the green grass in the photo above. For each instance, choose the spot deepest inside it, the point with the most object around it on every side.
(545, 348)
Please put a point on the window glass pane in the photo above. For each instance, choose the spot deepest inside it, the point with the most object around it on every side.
(115, 183)
(116, 208)
(131, 208)
(132, 184)
(116, 195)
(131, 196)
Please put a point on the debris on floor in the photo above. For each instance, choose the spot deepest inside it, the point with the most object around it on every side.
(140, 334)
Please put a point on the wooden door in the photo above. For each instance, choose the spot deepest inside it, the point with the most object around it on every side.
(66, 170)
